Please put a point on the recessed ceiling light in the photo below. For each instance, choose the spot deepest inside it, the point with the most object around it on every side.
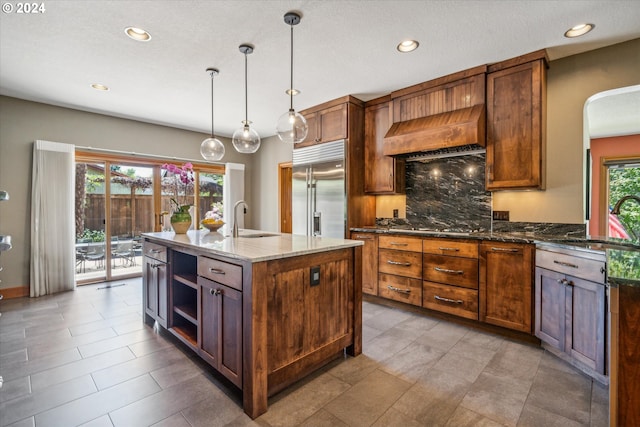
(408, 46)
(137, 34)
(579, 30)
(98, 86)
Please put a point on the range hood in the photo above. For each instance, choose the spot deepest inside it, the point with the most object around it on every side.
(463, 127)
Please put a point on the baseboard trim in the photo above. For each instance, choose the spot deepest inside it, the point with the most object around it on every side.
(17, 292)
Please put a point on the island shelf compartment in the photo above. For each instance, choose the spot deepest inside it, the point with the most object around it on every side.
(185, 313)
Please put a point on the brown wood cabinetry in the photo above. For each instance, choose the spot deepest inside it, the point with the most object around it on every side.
(506, 285)
(369, 262)
(570, 304)
(400, 268)
(450, 274)
(516, 123)
(326, 123)
(154, 282)
(383, 174)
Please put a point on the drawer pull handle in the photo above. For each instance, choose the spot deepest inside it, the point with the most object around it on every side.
(504, 250)
(364, 237)
(398, 244)
(155, 251)
(453, 301)
(157, 265)
(566, 264)
(215, 292)
(402, 291)
(404, 264)
(449, 249)
(216, 271)
(445, 270)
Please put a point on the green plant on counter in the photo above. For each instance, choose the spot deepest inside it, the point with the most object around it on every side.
(91, 235)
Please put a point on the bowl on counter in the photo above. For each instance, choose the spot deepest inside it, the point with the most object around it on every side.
(212, 226)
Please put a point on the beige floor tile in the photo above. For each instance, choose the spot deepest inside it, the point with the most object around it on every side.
(464, 417)
(599, 405)
(532, 416)
(216, 410)
(515, 360)
(366, 401)
(293, 407)
(323, 418)
(412, 362)
(384, 346)
(353, 369)
(443, 336)
(176, 420)
(467, 366)
(103, 421)
(434, 398)
(394, 418)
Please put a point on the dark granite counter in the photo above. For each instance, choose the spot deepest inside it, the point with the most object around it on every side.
(623, 256)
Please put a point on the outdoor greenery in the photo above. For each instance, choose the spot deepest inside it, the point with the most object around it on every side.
(625, 181)
(91, 235)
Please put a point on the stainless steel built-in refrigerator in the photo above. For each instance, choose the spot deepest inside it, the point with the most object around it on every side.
(319, 198)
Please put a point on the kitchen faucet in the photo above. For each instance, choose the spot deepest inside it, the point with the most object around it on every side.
(235, 216)
(616, 208)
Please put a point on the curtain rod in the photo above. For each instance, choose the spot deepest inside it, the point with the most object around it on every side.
(152, 156)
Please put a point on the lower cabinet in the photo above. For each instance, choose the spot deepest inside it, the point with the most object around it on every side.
(570, 305)
(506, 285)
(400, 269)
(155, 283)
(369, 262)
(221, 328)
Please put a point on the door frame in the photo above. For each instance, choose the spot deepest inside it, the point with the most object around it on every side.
(285, 171)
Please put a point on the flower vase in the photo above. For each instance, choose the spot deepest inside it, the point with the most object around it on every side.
(181, 220)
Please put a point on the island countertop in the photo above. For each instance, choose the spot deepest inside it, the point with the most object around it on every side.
(251, 245)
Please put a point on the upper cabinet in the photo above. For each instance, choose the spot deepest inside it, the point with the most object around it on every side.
(327, 122)
(383, 174)
(516, 123)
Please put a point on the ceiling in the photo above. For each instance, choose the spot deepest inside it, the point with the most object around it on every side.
(340, 47)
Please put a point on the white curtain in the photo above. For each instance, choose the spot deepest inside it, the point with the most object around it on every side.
(52, 218)
(232, 191)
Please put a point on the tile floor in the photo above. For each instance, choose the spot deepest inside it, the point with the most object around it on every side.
(85, 358)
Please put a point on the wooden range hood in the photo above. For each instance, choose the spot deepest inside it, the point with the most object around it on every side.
(445, 130)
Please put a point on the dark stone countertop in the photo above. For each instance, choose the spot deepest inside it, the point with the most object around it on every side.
(623, 256)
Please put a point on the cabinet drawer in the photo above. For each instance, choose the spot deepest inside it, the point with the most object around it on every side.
(402, 263)
(221, 272)
(450, 299)
(451, 270)
(450, 247)
(400, 243)
(403, 289)
(155, 251)
(584, 268)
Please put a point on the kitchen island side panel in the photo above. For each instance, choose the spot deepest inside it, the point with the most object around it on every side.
(299, 322)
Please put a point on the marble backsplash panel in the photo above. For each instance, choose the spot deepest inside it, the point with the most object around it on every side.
(448, 193)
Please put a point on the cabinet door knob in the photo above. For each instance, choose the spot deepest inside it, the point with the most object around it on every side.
(215, 292)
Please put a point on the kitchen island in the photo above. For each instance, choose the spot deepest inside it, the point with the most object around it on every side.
(264, 309)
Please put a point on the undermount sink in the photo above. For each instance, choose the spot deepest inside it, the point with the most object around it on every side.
(256, 235)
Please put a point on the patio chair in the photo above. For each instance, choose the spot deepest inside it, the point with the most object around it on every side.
(124, 251)
(97, 255)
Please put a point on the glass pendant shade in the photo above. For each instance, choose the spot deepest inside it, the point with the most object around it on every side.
(246, 140)
(212, 149)
(292, 127)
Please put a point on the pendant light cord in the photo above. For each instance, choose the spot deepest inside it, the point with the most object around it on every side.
(246, 98)
(291, 87)
(212, 105)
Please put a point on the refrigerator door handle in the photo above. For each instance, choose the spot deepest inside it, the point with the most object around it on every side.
(317, 220)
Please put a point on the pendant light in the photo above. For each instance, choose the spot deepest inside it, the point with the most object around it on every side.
(246, 139)
(292, 127)
(212, 148)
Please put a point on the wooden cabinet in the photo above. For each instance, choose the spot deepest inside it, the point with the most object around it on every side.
(383, 174)
(450, 274)
(154, 282)
(185, 315)
(570, 304)
(369, 262)
(506, 285)
(220, 334)
(326, 124)
(400, 268)
(516, 123)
